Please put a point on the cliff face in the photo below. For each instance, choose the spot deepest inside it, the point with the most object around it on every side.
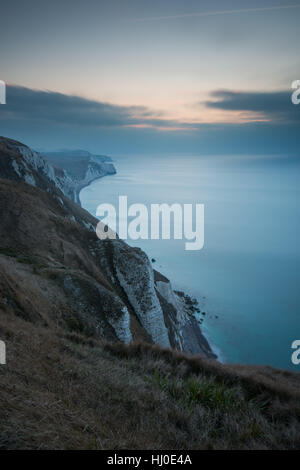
(19, 163)
(56, 272)
(81, 166)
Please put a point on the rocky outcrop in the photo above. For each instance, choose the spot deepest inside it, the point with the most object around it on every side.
(183, 326)
(55, 271)
(134, 274)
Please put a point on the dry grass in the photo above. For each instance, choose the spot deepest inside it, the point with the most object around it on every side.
(62, 390)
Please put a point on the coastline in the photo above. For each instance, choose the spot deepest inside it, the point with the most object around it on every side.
(81, 168)
(79, 188)
(193, 326)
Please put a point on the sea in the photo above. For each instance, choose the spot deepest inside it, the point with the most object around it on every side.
(246, 277)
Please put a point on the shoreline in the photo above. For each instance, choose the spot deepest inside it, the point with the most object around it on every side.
(192, 305)
(85, 185)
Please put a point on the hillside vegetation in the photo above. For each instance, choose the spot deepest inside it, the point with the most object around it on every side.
(62, 390)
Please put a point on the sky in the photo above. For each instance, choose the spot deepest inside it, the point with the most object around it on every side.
(142, 76)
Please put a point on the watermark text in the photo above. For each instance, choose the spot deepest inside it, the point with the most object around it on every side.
(296, 354)
(162, 221)
(2, 92)
(296, 94)
(2, 353)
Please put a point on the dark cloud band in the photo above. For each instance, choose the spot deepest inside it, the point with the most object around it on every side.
(25, 103)
(275, 105)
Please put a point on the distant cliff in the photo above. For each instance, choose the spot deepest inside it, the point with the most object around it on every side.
(102, 288)
(82, 166)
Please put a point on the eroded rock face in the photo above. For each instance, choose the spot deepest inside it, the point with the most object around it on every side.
(183, 326)
(134, 272)
(55, 270)
(98, 306)
(27, 165)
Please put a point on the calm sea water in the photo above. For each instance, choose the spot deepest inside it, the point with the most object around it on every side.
(247, 276)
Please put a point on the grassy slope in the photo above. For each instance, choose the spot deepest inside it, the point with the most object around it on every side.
(61, 390)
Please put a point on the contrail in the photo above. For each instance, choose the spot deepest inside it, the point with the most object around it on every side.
(215, 13)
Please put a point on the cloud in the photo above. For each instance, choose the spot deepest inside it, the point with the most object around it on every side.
(274, 106)
(39, 105)
(216, 13)
(51, 120)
